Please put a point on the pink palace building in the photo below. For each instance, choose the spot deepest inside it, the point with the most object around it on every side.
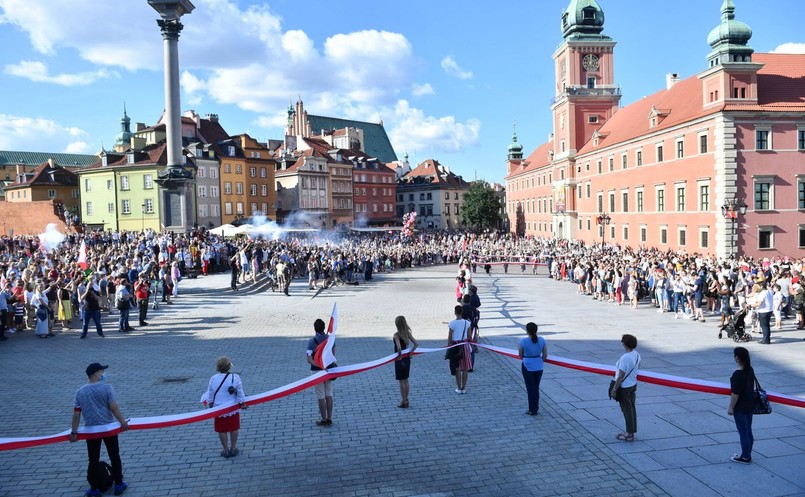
(714, 163)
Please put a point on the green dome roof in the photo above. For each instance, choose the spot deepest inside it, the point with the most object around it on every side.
(123, 139)
(582, 18)
(729, 31)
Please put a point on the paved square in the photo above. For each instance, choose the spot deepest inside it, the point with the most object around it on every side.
(445, 444)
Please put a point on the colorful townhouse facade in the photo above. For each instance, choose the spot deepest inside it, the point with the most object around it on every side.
(432, 191)
(713, 163)
(247, 179)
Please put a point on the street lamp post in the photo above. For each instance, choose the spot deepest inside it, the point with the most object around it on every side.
(142, 217)
(730, 210)
(603, 220)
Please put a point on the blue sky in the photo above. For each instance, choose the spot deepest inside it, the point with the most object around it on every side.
(447, 77)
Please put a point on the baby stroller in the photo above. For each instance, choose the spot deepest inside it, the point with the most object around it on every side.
(735, 327)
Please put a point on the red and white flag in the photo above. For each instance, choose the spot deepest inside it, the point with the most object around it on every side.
(82, 256)
(323, 356)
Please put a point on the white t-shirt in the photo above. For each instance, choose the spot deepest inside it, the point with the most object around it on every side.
(766, 301)
(459, 329)
(629, 364)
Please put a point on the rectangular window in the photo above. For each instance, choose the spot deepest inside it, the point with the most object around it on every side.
(762, 141)
(801, 139)
(639, 158)
(126, 207)
(625, 201)
(703, 144)
(253, 190)
(447, 195)
(263, 172)
(447, 209)
(611, 164)
(149, 206)
(664, 236)
(704, 198)
(148, 181)
(253, 173)
(202, 210)
(661, 200)
(802, 237)
(228, 188)
(202, 172)
(214, 192)
(264, 190)
(202, 191)
(51, 193)
(124, 183)
(612, 202)
(228, 208)
(680, 149)
(659, 153)
(704, 239)
(624, 161)
(680, 199)
(588, 190)
(430, 195)
(600, 202)
(599, 168)
(239, 190)
(76, 193)
(213, 174)
(762, 196)
(643, 234)
(239, 170)
(239, 208)
(89, 208)
(639, 200)
(765, 237)
(625, 232)
(801, 194)
(87, 185)
(253, 208)
(110, 207)
(227, 169)
(110, 184)
(682, 235)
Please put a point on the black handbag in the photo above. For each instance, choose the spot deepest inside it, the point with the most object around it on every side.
(761, 402)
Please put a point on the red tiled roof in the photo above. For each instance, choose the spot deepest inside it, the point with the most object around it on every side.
(781, 83)
(41, 176)
(152, 154)
(537, 159)
(431, 168)
(29, 218)
(213, 132)
(781, 87)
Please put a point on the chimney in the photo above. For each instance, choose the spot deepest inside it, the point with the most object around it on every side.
(139, 126)
(213, 118)
(671, 79)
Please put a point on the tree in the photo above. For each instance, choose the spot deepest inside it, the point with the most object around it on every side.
(481, 208)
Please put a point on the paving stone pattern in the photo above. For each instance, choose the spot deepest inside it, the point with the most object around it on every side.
(445, 444)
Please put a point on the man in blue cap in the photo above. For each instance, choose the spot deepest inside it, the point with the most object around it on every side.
(97, 402)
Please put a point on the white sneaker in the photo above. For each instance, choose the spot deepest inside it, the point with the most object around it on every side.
(459, 391)
(676, 316)
(463, 391)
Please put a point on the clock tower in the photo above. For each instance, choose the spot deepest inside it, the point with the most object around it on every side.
(586, 96)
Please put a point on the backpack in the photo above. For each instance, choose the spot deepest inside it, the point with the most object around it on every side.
(99, 475)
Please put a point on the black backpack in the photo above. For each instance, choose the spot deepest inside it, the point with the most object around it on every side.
(99, 475)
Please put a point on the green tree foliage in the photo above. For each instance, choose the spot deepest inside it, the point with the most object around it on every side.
(481, 208)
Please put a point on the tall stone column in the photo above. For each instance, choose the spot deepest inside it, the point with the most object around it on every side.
(177, 192)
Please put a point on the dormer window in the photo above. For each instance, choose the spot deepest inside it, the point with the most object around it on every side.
(130, 157)
(589, 14)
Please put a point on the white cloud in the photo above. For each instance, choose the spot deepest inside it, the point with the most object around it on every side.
(38, 73)
(28, 133)
(790, 47)
(452, 68)
(79, 147)
(420, 90)
(192, 87)
(411, 129)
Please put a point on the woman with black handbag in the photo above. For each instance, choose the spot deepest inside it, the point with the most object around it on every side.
(460, 356)
(623, 387)
(742, 403)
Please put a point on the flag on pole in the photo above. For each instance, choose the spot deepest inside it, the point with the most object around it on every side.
(82, 256)
(323, 356)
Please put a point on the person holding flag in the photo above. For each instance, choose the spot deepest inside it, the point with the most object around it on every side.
(320, 356)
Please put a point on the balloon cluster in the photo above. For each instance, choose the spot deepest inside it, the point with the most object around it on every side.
(409, 221)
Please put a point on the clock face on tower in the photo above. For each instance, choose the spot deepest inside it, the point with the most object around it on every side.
(590, 62)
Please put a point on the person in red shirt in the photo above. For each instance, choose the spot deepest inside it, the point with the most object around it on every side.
(141, 292)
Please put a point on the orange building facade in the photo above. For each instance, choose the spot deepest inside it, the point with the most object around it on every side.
(674, 169)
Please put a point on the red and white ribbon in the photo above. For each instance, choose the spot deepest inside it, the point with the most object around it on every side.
(153, 422)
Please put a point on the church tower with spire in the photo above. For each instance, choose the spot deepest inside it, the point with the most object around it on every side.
(123, 139)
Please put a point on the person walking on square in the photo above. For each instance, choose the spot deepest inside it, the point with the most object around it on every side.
(142, 290)
(324, 390)
(764, 306)
(458, 332)
(97, 403)
(625, 386)
(225, 388)
(533, 351)
(742, 396)
(402, 365)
